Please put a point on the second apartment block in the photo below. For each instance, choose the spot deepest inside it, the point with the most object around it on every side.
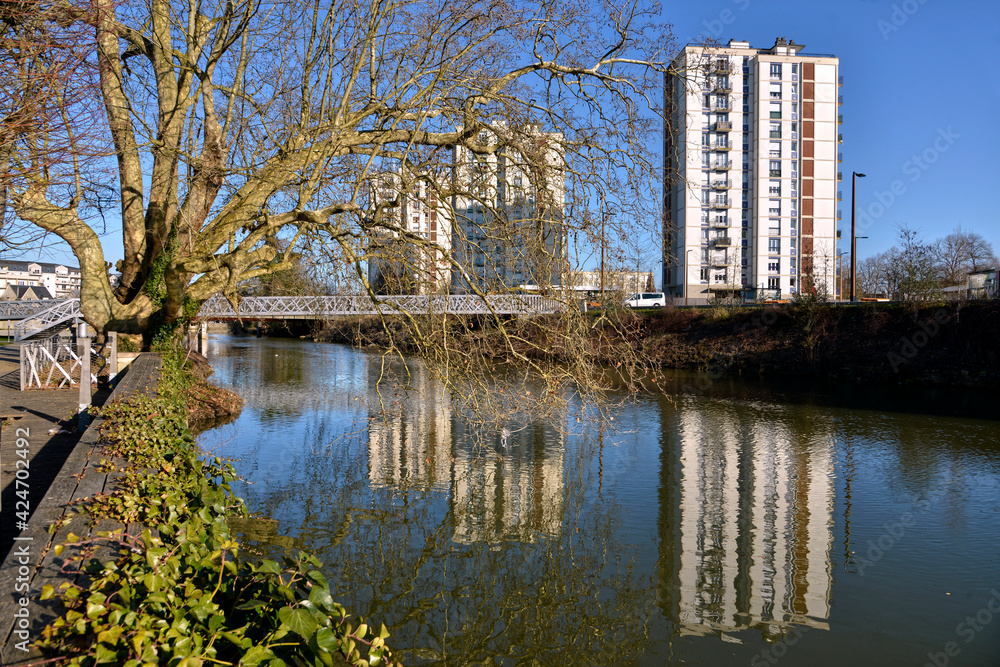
(751, 172)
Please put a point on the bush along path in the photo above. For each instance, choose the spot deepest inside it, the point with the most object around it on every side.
(180, 593)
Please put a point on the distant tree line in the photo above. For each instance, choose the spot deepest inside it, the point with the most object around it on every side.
(915, 270)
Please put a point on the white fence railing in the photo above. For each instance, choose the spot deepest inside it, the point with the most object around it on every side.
(53, 363)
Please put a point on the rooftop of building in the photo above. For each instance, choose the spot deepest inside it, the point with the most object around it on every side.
(22, 265)
(782, 47)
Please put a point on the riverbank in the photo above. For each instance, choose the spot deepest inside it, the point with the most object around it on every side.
(133, 542)
(935, 345)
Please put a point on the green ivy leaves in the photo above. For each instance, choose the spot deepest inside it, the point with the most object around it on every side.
(181, 593)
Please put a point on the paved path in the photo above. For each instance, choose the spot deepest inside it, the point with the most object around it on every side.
(71, 462)
(47, 421)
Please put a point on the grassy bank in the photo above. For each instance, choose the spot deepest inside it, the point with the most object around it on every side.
(941, 344)
(181, 592)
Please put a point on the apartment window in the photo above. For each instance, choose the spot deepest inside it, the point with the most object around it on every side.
(721, 102)
(775, 167)
(791, 282)
(706, 101)
(704, 255)
(704, 274)
(775, 109)
(774, 267)
(705, 139)
(775, 70)
(775, 91)
(774, 245)
(773, 283)
(795, 68)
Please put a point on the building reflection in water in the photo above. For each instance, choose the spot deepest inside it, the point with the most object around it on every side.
(497, 491)
(747, 503)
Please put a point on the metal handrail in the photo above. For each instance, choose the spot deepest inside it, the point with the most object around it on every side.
(46, 319)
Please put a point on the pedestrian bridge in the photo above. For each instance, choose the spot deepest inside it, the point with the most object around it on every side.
(318, 307)
(37, 317)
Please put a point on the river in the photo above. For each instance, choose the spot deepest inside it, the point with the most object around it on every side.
(733, 522)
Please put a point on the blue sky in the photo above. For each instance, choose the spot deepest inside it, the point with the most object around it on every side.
(921, 102)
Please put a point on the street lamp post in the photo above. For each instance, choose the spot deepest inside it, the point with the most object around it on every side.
(854, 240)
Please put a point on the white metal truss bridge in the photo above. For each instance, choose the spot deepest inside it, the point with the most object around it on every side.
(317, 307)
(36, 317)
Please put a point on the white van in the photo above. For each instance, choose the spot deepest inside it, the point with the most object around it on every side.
(647, 300)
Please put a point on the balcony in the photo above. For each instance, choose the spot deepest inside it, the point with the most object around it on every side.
(723, 126)
(840, 80)
(840, 157)
(721, 108)
(719, 204)
(775, 134)
(722, 146)
(840, 195)
(840, 138)
(722, 88)
(721, 185)
(722, 242)
(774, 173)
(720, 224)
(840, 175)
(840, 119)
(775, 96)
(720, 67)
(776, 115)
(722, 165)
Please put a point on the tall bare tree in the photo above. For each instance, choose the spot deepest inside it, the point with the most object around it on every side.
(231, 123)
(961, 252)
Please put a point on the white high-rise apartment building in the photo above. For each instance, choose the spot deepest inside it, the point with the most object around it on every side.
(508, 211)
(418, 264)
(750, 172)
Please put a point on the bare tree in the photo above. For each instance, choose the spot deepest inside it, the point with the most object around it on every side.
(234, 123)
(961, 252)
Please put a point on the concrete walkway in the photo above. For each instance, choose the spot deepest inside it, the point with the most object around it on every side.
(46, 419)
(72, 463)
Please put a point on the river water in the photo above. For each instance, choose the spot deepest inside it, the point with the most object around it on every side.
(734, 522)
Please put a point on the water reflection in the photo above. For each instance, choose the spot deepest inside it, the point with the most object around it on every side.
(561, 543)
(747, 504)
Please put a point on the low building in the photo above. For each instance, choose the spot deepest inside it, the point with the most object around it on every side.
(983, 284)
(24, 293)
(61, 281)
(629, 282)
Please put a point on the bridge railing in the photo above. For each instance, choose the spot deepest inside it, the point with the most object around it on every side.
(279, 307)
(57, 313)
(18, 310)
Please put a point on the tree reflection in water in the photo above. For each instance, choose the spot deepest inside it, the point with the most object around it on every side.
(468, 551)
